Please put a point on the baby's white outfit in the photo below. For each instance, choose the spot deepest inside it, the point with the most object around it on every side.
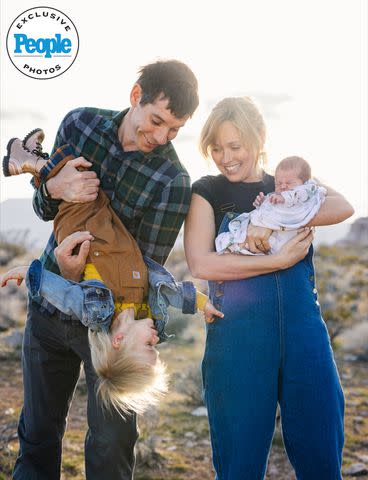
(301, 205)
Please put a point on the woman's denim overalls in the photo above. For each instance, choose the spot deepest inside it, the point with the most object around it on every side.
(272, 346)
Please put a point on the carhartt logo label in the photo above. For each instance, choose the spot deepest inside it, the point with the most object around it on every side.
(42, 43)
(136, 275)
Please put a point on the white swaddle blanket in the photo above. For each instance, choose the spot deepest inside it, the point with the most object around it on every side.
(301, 205)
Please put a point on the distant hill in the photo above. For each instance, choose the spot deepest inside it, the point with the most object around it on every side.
(358, 233)
(17, 215)
(331, 234)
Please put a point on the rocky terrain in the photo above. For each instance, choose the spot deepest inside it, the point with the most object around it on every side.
(174, 442)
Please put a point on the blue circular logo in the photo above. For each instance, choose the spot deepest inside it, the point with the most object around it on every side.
(42, 43)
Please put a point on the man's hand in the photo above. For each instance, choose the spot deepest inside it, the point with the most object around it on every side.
(257, 239)
(210, 312)
(296, 249)
(72, 185)
(17, 273)
(72, 266)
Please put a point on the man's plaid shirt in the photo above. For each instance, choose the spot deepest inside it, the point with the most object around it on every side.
(149, 192)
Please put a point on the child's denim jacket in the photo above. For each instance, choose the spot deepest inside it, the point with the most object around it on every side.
(164, 291)
(92, 303)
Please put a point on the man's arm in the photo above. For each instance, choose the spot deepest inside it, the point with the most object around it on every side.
(160, 225)
(44, 206)
(69, 184)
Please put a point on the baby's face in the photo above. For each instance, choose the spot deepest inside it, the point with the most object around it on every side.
(287, 179)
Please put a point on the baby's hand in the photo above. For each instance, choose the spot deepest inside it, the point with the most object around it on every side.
(210, 312)
(260, 198)
(17, 273)
(276, 198)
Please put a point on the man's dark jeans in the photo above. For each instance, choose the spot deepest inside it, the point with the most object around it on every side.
(53, 349)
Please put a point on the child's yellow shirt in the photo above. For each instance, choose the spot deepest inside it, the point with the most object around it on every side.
(91, 273)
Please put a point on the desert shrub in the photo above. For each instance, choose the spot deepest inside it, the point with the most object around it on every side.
(147, 453)
(13, 243)
(178, 322)
(190, 384)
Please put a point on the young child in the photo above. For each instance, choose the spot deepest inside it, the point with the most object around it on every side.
(117, 281)
(294, 203)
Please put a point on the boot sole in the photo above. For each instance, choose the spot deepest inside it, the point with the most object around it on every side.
(29, 135)
(6, 159)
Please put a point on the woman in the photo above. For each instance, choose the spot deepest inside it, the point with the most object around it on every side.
(272, 346)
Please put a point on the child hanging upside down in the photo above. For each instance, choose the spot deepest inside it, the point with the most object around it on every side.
(119, 291)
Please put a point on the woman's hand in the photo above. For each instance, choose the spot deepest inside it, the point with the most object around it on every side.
(210, 312)
(257, 239)
(17, 273)
(72, 266)
(295, 249)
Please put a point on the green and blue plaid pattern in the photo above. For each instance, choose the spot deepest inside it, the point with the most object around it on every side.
(58, 156)
(149, 192)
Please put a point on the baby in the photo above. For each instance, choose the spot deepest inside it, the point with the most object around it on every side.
(294, 203)
(112, 298)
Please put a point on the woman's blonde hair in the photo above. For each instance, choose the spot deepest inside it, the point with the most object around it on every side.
(125, 381)
(243, 113)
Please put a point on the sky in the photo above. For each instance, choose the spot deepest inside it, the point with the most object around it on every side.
(303, 61)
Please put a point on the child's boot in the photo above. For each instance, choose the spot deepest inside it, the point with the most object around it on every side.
(32, 142)
(18, 160)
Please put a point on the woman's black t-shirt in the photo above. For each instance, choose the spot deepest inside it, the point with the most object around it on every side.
(225, 196)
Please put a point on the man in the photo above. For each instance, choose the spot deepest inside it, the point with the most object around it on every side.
(131, 157)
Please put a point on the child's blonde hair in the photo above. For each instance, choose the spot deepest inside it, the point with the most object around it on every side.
(125, 382)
